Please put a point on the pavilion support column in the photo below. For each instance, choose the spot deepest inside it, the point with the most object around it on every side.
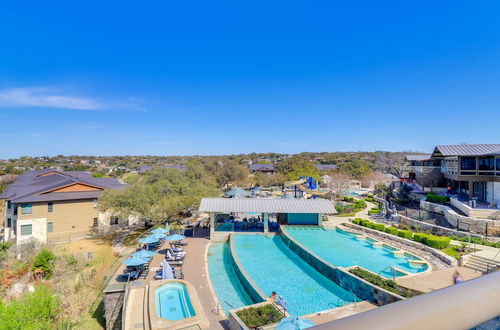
(320, 219)
(212, 223)
(266, 222)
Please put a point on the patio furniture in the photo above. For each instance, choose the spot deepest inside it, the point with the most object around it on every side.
(178, 274)
(171, 257)
(177, 254)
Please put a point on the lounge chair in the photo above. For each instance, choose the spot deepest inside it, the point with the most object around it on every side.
(178, 274)
(172, 257)
(181, 242)
(175, 262)
(181, 253)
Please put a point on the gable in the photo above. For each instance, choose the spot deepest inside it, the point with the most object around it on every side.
(75, 187)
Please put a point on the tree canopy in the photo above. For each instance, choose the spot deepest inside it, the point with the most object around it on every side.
(160, 194)
(297, 166)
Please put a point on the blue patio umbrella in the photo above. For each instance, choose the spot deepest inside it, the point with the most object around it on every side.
(294, 323)
(237, 192)
(148, 240)
(135, 261)
(175, 237)
(143, 254)
(158, 235)
(160, 230)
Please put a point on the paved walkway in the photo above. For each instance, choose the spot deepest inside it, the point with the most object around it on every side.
(341, 312)
(437, 279)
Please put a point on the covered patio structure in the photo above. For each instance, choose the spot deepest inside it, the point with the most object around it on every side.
(286, 211)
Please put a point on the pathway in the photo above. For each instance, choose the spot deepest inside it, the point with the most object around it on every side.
(437, 279)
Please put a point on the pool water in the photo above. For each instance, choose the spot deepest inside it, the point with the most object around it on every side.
(172, 301)
(342, 249)
(227, 287)
(274, 267)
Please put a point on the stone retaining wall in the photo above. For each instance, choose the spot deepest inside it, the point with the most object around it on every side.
(478, 226)
(341, 277)
(492, 214)
(435, 253)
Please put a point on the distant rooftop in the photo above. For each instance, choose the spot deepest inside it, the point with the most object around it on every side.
(174, 166)
(325, 167)
(261, 167)
(417, 158)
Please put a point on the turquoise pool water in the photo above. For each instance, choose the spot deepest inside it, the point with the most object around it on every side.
(343, 249)
(225, 283)
(172, 302)
(274, 267)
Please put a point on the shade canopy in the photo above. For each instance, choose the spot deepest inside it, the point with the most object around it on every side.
(143, 254)
(160, 230)
(148, 240)
(158, 236)
(237, 192)
(294, 323)
(175, 237)
(135, 261)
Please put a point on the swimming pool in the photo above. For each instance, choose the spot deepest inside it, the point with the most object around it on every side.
(274, 267)
(172, 301)
(343, 249)
(227, 287)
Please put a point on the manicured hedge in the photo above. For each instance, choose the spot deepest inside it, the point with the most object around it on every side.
(437, 199)
(355, 221)
(391, 230)
(420, 237)
(405, 234)
(437, 242)
(379, 227)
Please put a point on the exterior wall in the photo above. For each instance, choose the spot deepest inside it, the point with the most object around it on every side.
(302, 218)
(74, 217)
(76, 187)
(476, 212)
(493, 192)
(38, 231)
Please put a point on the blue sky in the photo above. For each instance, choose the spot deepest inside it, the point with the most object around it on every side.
(226, 77)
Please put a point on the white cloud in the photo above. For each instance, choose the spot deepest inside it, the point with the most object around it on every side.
(46, 97)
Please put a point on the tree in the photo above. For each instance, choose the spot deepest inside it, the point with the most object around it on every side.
(160, 194)
(297, 166)
(230, 172)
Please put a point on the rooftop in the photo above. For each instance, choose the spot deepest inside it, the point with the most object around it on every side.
(466, 150)
(267, 205)
(418, 157)
(261, 167)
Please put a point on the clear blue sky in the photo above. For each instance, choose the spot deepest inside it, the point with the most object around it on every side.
(220, 77)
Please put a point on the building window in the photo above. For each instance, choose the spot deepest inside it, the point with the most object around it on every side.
(95, 203)
(50, 207)
(468, 163)
(498, 164)
(26, 208)
(26, 230)
(113, 221)
(486, 163)
(9, 205)
(50, 227)
(95, 222)
(9, 222)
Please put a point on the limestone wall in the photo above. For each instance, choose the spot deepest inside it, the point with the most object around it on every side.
(38, 230)
(476, 212)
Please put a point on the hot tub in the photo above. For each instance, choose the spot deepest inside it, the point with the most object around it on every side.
(172, 302)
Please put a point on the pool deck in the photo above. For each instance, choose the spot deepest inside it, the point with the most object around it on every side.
(338, 313)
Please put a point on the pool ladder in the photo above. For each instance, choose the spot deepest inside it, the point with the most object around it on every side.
(342, 303)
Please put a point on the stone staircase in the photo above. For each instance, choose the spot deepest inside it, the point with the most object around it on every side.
(482, 264)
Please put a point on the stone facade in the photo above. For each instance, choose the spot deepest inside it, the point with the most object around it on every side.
(474, 225)
(492, 214)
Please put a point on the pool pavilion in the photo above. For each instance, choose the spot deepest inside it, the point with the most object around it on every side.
(263, 214)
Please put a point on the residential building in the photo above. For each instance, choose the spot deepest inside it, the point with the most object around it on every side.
(51, 205)
(263, 168)
(423, 170)
(325, 167)
(471, 171)
(146, 168)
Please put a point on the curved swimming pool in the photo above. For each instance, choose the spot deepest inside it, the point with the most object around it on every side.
(343, 249)
(274, 267)
(172, 302)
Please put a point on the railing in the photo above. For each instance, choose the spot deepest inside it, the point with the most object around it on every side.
(125, 300)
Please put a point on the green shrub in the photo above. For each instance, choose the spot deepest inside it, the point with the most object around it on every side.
(379, 281)
(391, 230)
(420, 237)
(437, 242)
(432, 198)
(44, 261)
(4, 250)
(379, 227)
(405, 234)
(364, 222)
(34, 310)
(355, 221)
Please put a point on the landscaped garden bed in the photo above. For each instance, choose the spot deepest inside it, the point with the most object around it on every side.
(254, 317)
(383, 283)
(349, 206)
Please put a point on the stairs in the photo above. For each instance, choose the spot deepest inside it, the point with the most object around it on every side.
(482, 264)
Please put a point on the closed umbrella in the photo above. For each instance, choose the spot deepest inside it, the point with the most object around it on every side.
(175, 237)
(148, 240)
(143, 254)
(294, 323)
(135, 261)
(166, 271)
(167, 228)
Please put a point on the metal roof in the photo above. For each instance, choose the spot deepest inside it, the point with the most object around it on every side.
(418, 157)
(267, 205)
(60, 196)
(325, 167)
(261, 167)
(468, 149)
